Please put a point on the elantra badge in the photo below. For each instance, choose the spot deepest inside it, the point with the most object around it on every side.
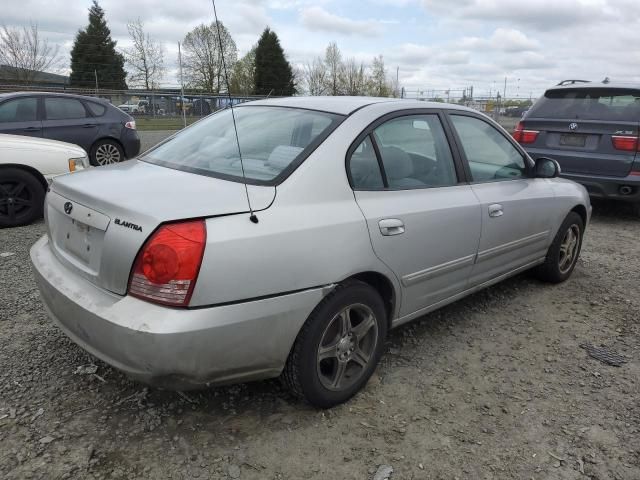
(68, 208)
(573, 126)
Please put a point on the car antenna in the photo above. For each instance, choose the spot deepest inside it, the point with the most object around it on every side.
(252, 215)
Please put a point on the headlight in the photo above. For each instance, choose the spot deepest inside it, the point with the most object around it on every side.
(77, 164)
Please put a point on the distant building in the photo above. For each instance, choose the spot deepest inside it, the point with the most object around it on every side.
(12, 75)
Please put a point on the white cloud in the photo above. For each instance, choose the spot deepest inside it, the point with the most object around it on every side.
(318, 19)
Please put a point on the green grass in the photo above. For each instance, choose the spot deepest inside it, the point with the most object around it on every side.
(162, 123)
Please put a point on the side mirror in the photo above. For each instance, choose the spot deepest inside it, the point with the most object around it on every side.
(546, 168)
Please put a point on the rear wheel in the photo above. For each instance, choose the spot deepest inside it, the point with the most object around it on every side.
(564, 251)
(106, 152)
(21, 197)
(338, 347)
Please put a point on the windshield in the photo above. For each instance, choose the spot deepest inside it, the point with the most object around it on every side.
(588, 104)
(273, 141)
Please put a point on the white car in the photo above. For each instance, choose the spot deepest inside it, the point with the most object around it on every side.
(27, 165)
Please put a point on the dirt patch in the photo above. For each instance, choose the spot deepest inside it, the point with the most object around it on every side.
(492, 387)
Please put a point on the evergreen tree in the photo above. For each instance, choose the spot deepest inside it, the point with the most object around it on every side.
(273, 73)
(94, 54)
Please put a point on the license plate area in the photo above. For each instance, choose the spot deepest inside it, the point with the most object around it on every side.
(77, 240)
(573, 140)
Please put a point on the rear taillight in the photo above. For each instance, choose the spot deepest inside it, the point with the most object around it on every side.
(166, 269)
(131, 125)
(624, 142)
(521, 135)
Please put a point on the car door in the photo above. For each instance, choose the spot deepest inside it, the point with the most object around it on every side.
(516, 225)
(20, 116)
(66, 119)
(424, 223)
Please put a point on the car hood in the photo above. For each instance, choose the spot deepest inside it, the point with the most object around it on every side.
(37, 144)
(99, 219)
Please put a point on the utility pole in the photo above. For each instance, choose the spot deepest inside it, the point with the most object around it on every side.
(184, 112)
(504, 93)
(95, 72)
(397, 80)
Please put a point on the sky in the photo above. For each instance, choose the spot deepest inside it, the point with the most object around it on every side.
(429, 44)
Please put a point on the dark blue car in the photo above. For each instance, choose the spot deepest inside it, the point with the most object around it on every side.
(106, 133)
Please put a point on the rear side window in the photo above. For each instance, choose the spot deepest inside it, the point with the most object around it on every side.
(96, 109)
(608, 104)
(63, 108)
(415, 153)
(19, 110)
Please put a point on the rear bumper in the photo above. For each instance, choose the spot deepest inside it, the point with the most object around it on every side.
(172, 348)
(130, 142)
(608, 187)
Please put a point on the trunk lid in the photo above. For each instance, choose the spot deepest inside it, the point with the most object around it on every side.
(98, 220)
(584, 146)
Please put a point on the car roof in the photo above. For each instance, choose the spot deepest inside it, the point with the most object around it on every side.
(597, 85)
(343, 105)
(51, 94)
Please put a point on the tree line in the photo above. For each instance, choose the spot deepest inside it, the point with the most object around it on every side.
(96, 61)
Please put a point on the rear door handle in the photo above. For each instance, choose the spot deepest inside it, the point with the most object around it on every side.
(391, 226)
(495, 210)
(89, 125)
(31, 129)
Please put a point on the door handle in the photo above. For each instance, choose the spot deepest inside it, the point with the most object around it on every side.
(89, 125)
(391, 226)
(495, 210)
(31, 129)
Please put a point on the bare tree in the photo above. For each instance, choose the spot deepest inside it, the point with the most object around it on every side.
(379, 85)
(355, 78)
(315, 77)
(202, 58)
(145, 58)
(335, 69)
(27, 53)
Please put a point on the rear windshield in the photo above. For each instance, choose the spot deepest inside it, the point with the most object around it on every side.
(273, 141)
(589, 104)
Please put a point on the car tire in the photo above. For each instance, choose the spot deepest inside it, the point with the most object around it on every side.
(21, 197)
(106, 152)
(338, 347)
(564, 251)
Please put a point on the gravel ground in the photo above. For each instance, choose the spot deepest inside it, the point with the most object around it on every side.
(492, 387)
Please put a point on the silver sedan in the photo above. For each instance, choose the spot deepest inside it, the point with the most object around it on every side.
(291, 249)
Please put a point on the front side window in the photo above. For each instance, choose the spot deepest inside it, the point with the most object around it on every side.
(490, 155)
(19, 110)
(415, 152)
(63, 109)
(271, 139)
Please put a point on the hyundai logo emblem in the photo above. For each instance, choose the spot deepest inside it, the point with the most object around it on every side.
(573, 126)
(68, 208)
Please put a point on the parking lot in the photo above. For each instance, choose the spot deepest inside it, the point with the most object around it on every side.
(495, 386)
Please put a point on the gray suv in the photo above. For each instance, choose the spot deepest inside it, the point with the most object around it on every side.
(591, 129)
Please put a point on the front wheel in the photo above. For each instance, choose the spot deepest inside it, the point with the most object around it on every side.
(564, 251)
(338, 347)
(21, 197)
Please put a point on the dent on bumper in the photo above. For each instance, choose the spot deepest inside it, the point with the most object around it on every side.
(173, 348)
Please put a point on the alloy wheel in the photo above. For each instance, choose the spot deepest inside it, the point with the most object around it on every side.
(16, 200)
(107, 153)
(347, 347)
(569, 248)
